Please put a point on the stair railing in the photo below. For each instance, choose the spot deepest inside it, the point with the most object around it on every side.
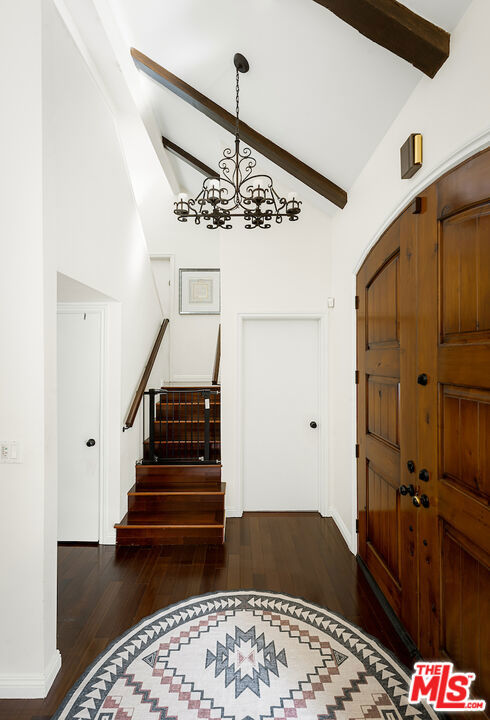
(182, 426)
(217, 358)
(138, 396)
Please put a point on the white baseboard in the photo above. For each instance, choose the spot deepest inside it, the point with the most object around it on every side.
(234, 512)
(30, 686)
(192, 378)
(109, 538)
(343, 530)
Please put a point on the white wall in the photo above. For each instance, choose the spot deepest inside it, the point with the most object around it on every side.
(104, 47)
(193, 337)
(28, 656)
(92, 222)
(452, 112)
(285, 269)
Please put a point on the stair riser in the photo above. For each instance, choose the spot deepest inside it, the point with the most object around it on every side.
(155, 484)
(186, 397)
(175, 518)
(175, 477)
(185, 412)
(185, 431)
(191, 504)
(170, 536)
(180, 451)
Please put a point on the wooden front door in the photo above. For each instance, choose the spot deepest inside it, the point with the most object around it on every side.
(384, 354)
(424, 455)
(460, 400)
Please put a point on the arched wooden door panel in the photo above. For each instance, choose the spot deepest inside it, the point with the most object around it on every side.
(385, 515)
(463, 410)
(431, 558)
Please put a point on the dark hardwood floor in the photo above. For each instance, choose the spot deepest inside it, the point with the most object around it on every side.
(103, 591)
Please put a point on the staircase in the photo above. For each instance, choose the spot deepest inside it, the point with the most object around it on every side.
(178, 497)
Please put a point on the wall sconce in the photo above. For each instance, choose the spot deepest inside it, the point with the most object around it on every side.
(411, 156)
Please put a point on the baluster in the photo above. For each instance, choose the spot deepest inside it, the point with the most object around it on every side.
(207, 404)
(151, 448)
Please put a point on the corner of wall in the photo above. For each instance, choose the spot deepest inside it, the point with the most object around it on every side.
(30, 686)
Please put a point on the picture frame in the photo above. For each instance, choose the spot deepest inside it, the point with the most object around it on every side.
(199, 291)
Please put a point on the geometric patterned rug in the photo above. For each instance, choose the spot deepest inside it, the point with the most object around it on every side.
(243, 655)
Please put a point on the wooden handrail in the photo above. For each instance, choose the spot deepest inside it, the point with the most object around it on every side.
(133, 410)
(217, 357)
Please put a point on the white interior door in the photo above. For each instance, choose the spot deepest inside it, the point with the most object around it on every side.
(79, 373)
(280, 395)
(161, 268)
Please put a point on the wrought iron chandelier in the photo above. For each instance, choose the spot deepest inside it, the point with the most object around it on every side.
(239, 192)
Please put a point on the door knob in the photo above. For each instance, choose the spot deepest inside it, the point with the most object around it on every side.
(313, 424)
(416, 500)
(407, 490)
(424, 475)
(90, 443)
(422, 379)
(411, 466)
(424, 501)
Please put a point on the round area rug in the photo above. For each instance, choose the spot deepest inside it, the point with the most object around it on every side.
(243, 655)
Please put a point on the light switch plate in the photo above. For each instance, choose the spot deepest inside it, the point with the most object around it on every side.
(330, 302)
(9, 451)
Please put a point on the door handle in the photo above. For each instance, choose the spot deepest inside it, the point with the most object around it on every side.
(407, 490)
(422, 500)
(313, 424)
(90, 443)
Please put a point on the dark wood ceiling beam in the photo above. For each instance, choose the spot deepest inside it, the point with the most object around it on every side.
(251, 137)
(396, 28)
(189, 159)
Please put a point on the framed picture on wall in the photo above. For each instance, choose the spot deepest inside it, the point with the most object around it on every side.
(199, 291)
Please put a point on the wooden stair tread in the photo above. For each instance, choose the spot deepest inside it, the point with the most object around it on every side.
(189, 442)
(178, 492)
(195, 404)
(126, 525)
(187, 420)
(169, 386)
(152, 526)
(164, 466)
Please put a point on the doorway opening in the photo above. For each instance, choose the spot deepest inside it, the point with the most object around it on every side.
(81, 351)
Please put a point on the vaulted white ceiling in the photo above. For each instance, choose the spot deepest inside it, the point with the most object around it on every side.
(316, 87)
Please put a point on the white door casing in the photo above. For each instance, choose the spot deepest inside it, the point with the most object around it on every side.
(280, 395)
(79, 420)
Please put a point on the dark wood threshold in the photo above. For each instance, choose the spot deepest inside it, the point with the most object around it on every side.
(400, 630)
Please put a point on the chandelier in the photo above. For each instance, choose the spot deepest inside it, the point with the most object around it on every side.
(239, 192)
